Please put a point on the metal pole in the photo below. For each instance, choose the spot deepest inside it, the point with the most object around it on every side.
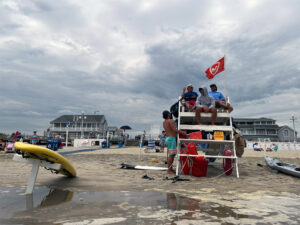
(225, 91)
(67, 134)
(293, 119)
(82, 115)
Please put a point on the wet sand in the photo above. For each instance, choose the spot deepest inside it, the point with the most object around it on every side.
(99, 171)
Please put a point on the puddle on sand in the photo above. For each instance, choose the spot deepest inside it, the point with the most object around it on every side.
(54, 206)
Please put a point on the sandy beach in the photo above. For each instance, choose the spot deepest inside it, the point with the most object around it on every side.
(99, 171)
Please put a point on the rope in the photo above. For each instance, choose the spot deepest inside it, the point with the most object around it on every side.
(222, 173)
(232, 167)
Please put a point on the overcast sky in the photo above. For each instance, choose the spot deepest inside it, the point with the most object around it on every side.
(129, 60)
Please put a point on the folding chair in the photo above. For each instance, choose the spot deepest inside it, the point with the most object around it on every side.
(151, 146)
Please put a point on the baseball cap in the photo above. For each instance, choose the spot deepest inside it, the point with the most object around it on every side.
(165, 114)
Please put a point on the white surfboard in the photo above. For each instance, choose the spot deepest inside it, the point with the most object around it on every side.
(138, 167)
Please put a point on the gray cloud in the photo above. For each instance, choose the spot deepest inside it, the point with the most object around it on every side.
(130, 60)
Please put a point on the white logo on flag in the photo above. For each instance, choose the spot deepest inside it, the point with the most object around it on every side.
(214, 69)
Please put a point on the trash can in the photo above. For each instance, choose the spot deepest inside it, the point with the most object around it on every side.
(52, 144)
(120, 144)
(105, 144)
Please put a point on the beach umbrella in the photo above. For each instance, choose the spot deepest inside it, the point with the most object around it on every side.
(125, 127)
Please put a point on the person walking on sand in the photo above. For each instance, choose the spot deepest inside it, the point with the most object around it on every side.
(205, 103)
(162, 141)
(171, 133)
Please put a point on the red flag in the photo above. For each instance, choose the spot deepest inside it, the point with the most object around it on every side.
(218, 67)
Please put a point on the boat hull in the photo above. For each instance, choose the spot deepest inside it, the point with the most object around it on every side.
(286, 168)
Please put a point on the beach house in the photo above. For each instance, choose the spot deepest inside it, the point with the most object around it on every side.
(261, 129)
(79, 126)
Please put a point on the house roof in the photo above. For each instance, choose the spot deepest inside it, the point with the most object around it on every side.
(287, 127)
(112, 128)
(254, 126)
(252, 119)
(73, 118)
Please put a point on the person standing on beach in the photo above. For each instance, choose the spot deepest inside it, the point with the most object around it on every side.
(171, 133)
(189, 97)
(34, 138)
(162, 141)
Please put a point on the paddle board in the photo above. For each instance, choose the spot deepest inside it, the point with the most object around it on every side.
(137, 167)
(48, 155)
(283, 167)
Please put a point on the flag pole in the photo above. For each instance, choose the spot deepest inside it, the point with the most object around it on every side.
(225, 80)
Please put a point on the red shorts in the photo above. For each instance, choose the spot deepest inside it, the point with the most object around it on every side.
(191, 102)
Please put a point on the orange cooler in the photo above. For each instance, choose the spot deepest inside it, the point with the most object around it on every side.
(219, 135)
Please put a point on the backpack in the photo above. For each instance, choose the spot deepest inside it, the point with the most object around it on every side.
(174, 109)
(239, 145)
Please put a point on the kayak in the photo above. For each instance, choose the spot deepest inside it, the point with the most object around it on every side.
(286, 168)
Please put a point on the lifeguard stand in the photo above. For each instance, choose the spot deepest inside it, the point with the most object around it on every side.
(214, 148)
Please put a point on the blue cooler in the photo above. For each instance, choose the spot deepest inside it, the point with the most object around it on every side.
(105, 144)
(52, 144)
(120, 144)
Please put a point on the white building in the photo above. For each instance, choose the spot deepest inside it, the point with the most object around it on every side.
(79, 126)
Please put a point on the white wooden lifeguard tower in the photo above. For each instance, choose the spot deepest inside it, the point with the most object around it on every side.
(214, 148)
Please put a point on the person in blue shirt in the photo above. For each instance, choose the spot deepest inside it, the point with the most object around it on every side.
(219, 98)
(190, 97)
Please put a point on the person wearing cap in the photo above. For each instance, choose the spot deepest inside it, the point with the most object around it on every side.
(171, 133)
(205, 103)
(190, 97)
(219, 98)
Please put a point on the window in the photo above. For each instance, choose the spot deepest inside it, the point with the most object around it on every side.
(57, 125)
(263, 122)
(286, 133)
(250, 131)
(89, 125)
(260, 131)
(257, 122)
(249, 123)
(271, 131)
(242, 123)
(269, 122)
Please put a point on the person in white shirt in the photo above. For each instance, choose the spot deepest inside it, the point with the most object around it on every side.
(205, 103)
